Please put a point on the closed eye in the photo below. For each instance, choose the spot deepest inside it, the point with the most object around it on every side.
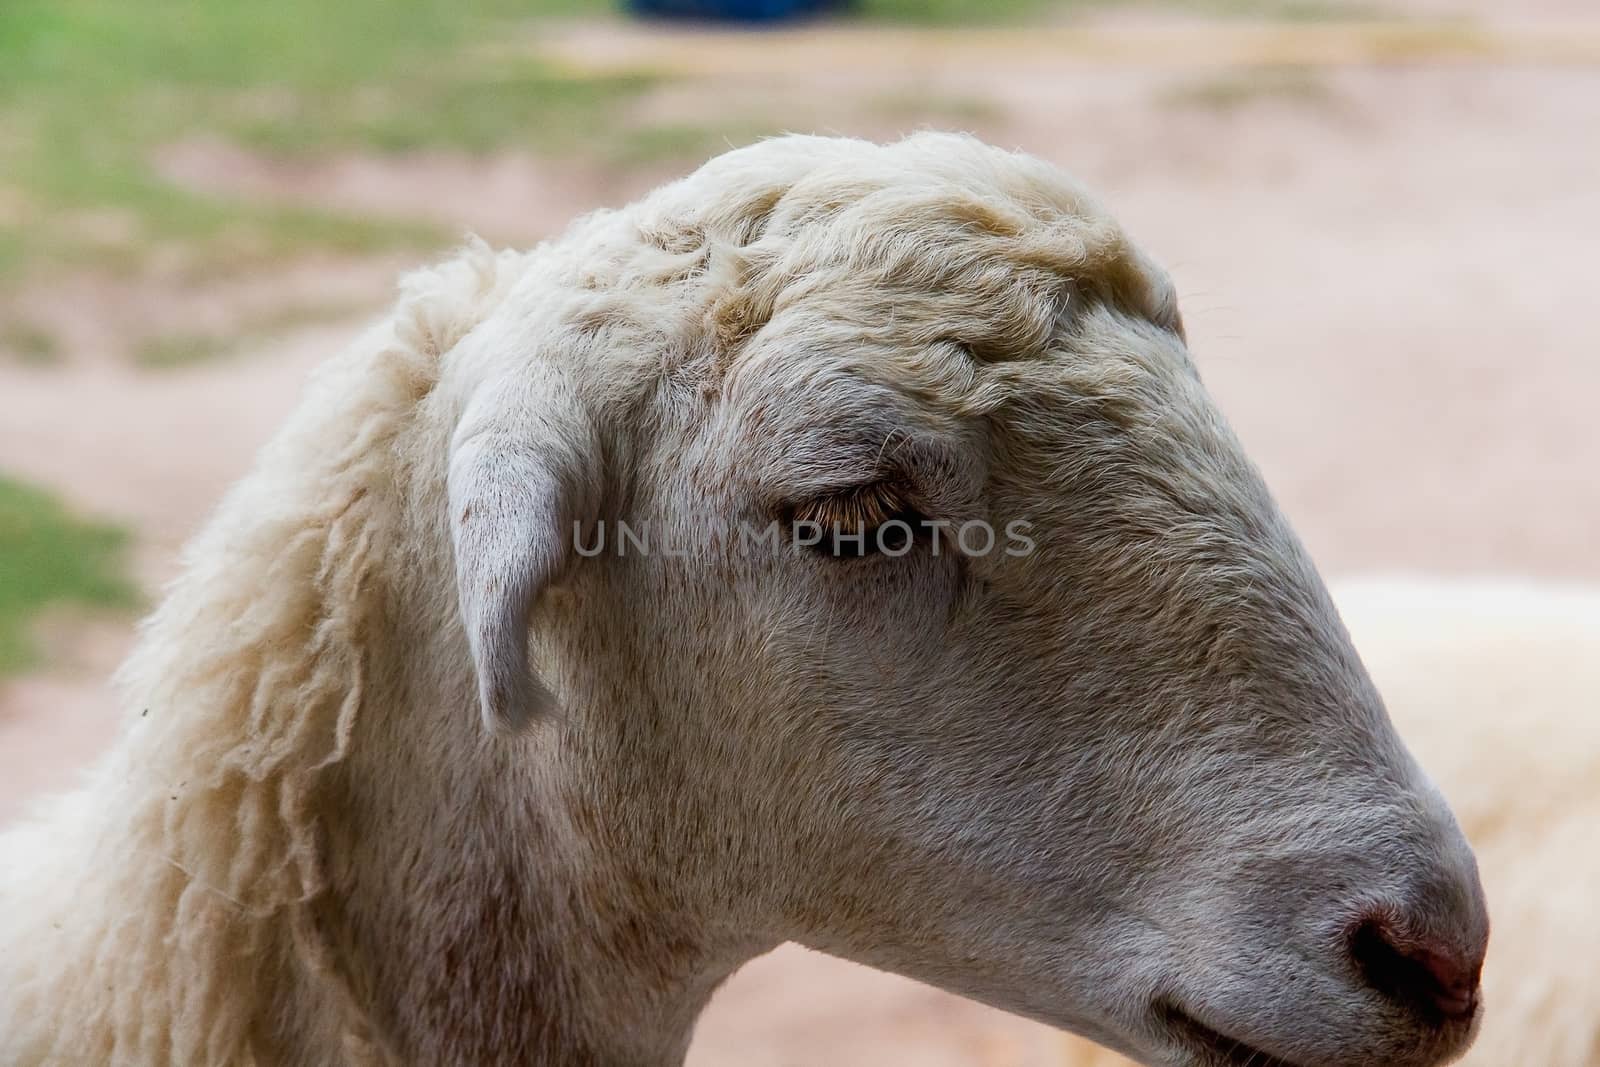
(867, 521)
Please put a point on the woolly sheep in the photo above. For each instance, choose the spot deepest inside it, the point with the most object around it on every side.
(1120, 771)
(1493, 683)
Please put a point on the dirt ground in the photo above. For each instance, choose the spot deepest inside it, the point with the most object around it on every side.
(1388, 276)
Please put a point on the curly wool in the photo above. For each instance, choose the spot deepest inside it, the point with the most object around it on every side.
(183, 871)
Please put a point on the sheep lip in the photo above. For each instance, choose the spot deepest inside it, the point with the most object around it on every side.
(1212, 1047)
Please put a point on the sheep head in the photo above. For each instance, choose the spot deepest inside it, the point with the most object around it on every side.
(904, 594)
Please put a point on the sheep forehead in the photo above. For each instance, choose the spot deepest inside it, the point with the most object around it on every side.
(938, 267)
(1139, 411)
(941, 232)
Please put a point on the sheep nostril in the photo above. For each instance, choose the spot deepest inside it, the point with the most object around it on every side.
(1430, 976)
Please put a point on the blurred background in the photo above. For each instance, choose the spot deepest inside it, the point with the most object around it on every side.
(1382, 217)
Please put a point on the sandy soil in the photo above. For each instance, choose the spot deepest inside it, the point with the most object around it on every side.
(1387, 276)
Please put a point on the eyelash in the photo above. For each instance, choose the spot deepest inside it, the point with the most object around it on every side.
(864, 511)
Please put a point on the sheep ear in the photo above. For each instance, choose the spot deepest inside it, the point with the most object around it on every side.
(519, 479)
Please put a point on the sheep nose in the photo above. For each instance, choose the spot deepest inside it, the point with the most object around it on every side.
(1434, 975)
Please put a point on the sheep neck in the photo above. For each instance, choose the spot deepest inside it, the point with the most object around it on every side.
(533, 933)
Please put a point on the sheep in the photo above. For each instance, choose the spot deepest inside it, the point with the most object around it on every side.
(1492, 682)
(1075, 769)
(1509, 723)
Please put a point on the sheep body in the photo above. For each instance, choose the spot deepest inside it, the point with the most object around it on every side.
(1496, 687)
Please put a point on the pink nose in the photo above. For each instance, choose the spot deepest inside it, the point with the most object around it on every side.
(1454, 981)
(1428, 973)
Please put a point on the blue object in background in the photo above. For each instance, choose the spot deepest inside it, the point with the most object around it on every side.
(734, 10)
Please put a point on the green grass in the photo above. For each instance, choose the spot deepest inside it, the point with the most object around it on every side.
(169, 351)
(13, 250)
(28, 343)
(1234, 89)
(90, 90)
(507, 103)
(961, 12)
(958, 11)
(49, 558)
(173, 351)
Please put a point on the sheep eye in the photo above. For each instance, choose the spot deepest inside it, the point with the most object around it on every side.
(873, 520)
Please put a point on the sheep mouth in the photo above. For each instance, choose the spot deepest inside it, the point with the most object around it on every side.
(1212, 1048)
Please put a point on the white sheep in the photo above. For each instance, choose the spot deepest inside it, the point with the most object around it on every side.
(1493, 684)
(1119, 769)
